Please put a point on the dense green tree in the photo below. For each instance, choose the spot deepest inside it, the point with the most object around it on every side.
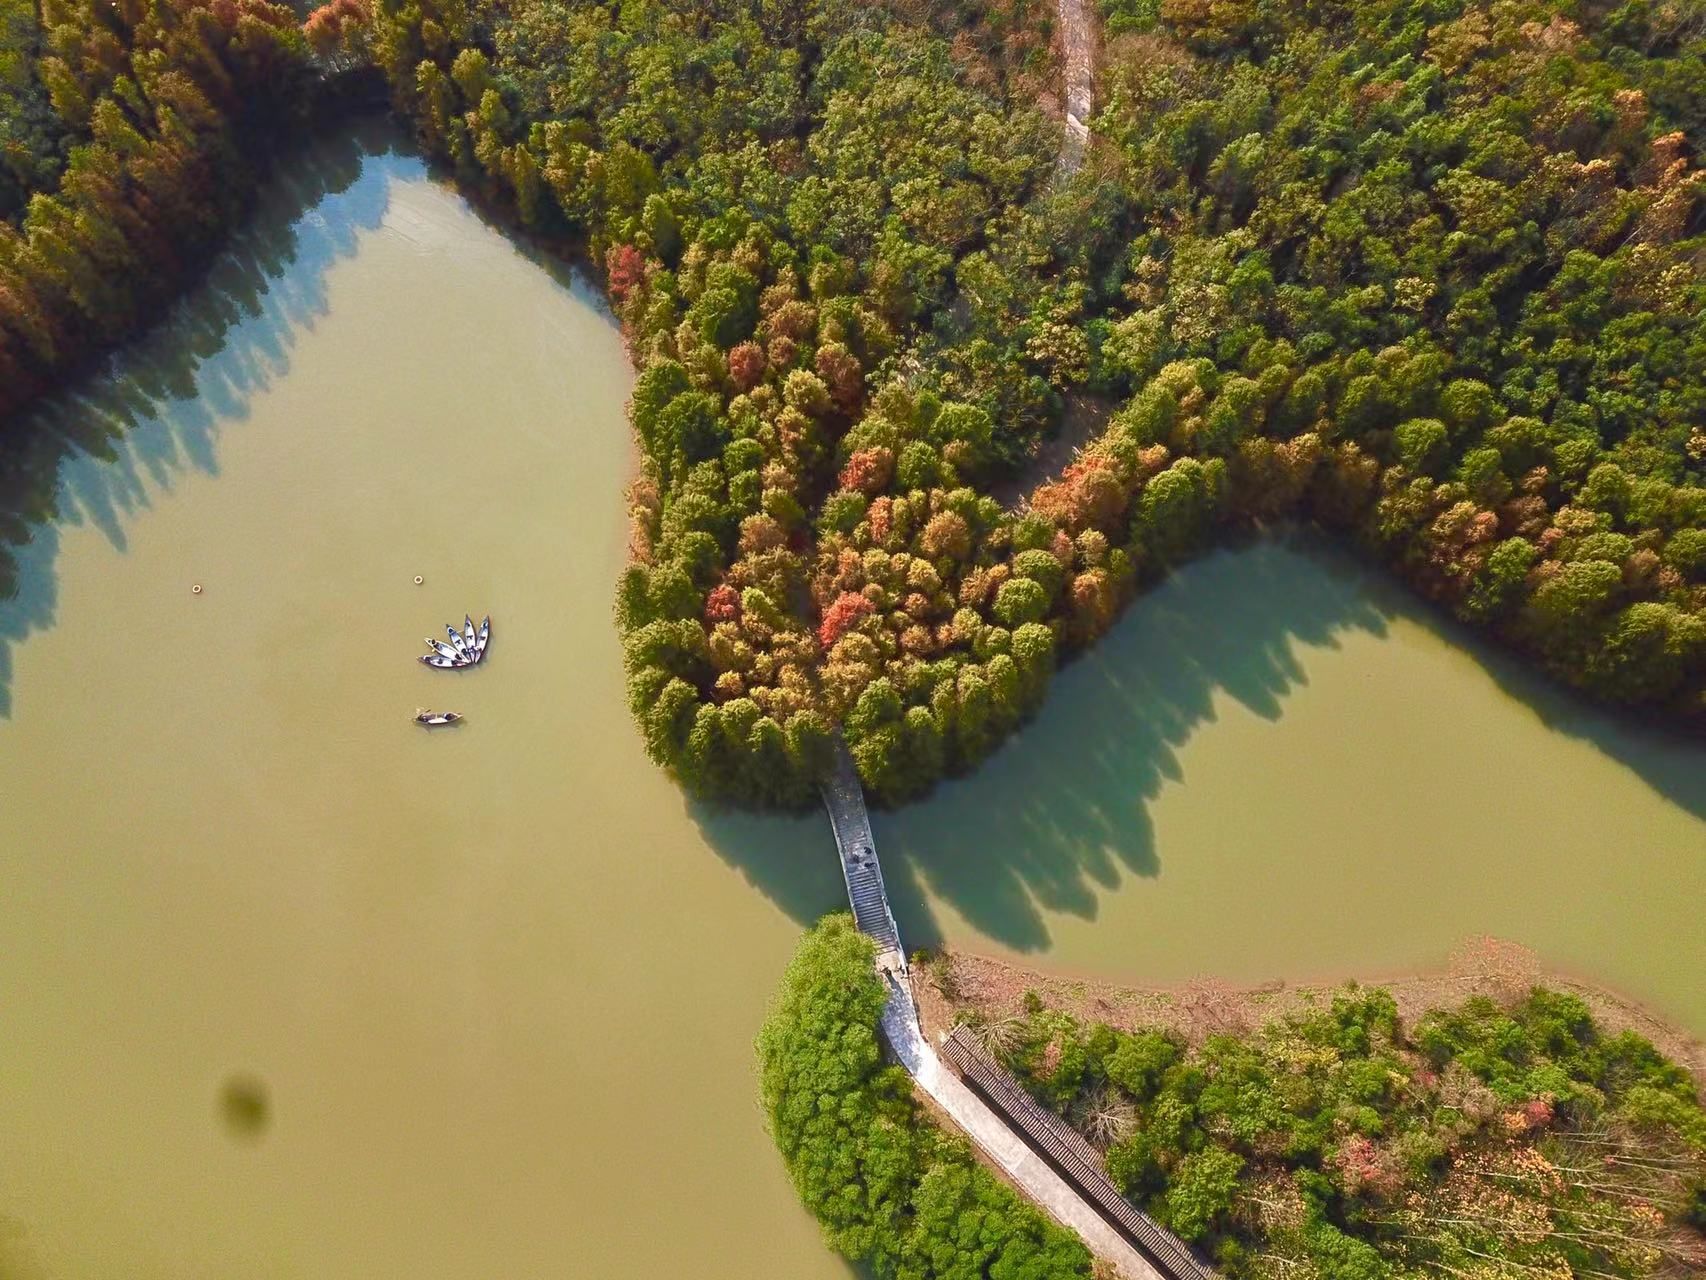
(1430, 278)
(892, 1191)
(126, 139)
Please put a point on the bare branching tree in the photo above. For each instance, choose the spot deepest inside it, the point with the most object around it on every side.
(1103, 1114)
(995, 1036)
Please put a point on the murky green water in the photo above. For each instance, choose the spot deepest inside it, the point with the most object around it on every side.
(291, 988)
(1280, 765)
(500, 994)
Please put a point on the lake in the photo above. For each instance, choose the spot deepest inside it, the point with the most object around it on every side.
(1280, 764)
(292, 987)
(498, 992)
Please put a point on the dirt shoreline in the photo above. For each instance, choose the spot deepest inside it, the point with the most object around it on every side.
(950, 984)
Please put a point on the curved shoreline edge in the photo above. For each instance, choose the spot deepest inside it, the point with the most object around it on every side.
(1499, 969)
(837, 996)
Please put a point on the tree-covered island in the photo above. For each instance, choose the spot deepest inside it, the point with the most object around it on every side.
(1489, 1138)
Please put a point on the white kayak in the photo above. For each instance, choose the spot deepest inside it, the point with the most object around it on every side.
(469, 637)
(439, 647)
(441, 662)
(456, 639)
(431, 718)
(480, 640)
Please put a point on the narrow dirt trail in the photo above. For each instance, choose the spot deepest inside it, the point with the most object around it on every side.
(1077, 56)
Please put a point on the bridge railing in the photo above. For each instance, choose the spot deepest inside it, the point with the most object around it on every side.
(844, 800)
(1076, 1160)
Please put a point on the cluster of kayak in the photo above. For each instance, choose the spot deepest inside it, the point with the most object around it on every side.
(466, 648)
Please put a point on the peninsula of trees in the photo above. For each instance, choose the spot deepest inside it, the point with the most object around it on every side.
(892, 1190)
(1425, 272)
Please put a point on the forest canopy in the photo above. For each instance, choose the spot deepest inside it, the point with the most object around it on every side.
(892, 1191)
(129, 139)
(1425, 273)
(1489, 1139)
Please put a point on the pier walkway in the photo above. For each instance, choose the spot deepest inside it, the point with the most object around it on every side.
(1066, 1150)
(1086, 1206)
(844, 798)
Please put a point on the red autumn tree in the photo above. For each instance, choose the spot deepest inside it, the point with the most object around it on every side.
(328, 26)
(841, 617)
(842, 374)
(624, 267)
(1087, 495)
(746, 365)
(722, 604)
(881, 517)
(868, 470)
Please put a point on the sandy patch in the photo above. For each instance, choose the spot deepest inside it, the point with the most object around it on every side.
(953, 983)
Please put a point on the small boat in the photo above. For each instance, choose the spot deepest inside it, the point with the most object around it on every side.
(467, 646)
(434, 718)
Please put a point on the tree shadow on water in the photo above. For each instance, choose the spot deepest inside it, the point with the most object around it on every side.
(1663, 755)
(97, 452)
(789, 859)
(1061, 814)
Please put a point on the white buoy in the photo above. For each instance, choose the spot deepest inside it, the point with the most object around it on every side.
(196, 589)
(419, 579)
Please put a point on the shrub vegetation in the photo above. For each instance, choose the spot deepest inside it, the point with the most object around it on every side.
(1482, 1141)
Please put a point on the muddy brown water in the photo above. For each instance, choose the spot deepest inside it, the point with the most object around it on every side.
(291, 987)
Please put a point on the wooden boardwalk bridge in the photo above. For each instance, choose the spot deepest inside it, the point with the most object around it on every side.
(1043, 1157)
(845, 800)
